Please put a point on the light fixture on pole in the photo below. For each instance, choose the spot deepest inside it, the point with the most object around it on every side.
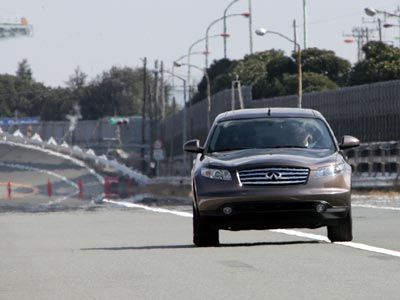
(373, 12)
(262, 32)
(250, 27)
(188, 80)
(206, 52)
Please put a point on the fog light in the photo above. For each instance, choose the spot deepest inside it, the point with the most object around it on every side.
(320, 208)
(227, 210)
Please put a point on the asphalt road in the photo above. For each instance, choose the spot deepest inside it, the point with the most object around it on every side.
(125, 251)
(137, 254)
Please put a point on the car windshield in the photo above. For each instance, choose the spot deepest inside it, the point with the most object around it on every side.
(270, 133)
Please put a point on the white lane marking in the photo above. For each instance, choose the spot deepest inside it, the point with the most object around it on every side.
(153, 209)
(311, 236)
(63, 178)
(375, 206)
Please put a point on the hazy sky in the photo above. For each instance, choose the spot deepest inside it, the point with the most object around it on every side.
(96, 34)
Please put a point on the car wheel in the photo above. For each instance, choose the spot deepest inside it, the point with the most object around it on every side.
(203, 234)
(343, 232)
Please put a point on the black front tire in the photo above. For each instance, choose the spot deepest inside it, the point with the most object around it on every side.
(203, 234)
(343, 231)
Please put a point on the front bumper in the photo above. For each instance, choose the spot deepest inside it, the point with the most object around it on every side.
(268, 207)
(273, 215)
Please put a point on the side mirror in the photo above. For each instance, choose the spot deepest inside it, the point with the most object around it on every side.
(348, 142)
(193, 146)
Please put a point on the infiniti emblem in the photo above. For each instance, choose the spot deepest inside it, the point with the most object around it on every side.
(273, 175)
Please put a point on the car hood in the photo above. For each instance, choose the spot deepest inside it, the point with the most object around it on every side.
(285, 157)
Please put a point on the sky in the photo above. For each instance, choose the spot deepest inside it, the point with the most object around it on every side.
(98, 34)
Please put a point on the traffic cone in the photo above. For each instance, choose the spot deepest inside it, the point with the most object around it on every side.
(107, 187)
(9, 190)
(80, 186)
(129, 187)
(49, 188)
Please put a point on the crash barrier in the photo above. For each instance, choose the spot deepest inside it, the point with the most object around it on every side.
(376, 164)
(101, 163)
(85, 132)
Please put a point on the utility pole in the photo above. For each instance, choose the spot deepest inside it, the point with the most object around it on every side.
(155, 101)
(294, 36)
(380, 29)
(162, 91)
(151, 98)
(361, 35)
(378, 23)
(142, 150)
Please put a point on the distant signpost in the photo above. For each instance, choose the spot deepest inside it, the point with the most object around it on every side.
(158, 153)
(19, 121)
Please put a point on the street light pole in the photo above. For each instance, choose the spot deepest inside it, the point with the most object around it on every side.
(262, 32)
(204, 70)
(184, 123)
(188, 56)
(305, 33)
(371, 12)
(250, 27)
(247, 15)
(225, 26)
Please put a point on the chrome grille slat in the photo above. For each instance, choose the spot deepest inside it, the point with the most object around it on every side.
(282, 178)
(263, 174)
(273, 176)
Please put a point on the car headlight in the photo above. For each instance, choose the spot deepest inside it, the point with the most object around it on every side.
(216, 174)
(331, 170)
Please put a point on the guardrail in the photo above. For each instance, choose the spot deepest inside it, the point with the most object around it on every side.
(88, 156)
(376, 165)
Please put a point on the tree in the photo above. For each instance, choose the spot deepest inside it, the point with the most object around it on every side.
(24, 70)
(221, 75)
(77, 80)
(312, 82)
(381, 63)
(22, 96)
(115, 92)
(326, 63)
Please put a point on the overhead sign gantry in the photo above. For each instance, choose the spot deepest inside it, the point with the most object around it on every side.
(14, 27)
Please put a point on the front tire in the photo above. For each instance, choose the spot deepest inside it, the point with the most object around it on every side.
(203, 234)
(343, 231)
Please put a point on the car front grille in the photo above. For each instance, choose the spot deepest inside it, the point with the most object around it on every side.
(273, 176)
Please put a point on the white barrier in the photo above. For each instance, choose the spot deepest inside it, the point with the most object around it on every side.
(76, 152)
